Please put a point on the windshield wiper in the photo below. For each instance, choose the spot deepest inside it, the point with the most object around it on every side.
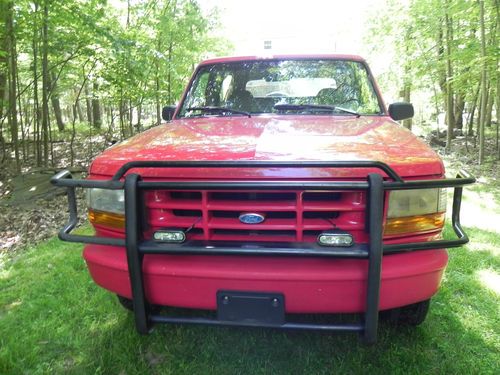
(314, 107)
(219, 109)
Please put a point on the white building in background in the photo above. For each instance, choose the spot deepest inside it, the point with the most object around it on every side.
(283, 44)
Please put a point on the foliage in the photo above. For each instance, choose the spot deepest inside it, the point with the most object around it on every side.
(109, 63)
(437, 49)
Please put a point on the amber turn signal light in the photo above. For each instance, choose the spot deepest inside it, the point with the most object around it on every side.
(107, 219)
(413, 224)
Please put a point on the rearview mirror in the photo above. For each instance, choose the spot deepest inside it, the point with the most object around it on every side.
(401, 111)
(167, 113)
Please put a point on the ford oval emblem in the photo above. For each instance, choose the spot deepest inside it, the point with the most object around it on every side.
(251, 218)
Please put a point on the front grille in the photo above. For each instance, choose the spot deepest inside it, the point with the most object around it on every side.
(298, 216)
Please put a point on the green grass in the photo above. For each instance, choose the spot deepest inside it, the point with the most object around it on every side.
(54, 319)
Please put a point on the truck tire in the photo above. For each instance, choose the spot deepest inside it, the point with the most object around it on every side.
(128, 305)
(412, 315)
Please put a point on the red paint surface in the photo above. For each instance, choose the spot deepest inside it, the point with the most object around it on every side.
(218, 60)
(286, 220)
(309, 285)
(277, 137)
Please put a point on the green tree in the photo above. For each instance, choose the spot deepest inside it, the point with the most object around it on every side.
(438, 44)
(124, 62)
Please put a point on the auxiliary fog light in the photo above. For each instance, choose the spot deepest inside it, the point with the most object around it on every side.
(335, 239)
(170, 235)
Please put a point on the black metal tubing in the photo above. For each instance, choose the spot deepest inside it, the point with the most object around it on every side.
(263, 248)
(64, 179)
(134, 257)
(254, 185)
(376, 214)
(463, 178)
(257, 164)
(375, 186)
(288, 325)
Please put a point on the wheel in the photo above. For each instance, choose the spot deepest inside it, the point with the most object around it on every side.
(128, 305)
(412, 315)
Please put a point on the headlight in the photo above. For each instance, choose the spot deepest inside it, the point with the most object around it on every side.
(416, 202)
(106, 200)
(418, 210)
(106, 207)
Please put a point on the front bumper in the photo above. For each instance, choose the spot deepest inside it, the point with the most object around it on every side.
(364, 277)
(309, 285)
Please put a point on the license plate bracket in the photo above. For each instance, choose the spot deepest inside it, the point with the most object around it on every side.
(251, 308)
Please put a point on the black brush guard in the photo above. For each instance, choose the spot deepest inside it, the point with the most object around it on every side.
(374, 185)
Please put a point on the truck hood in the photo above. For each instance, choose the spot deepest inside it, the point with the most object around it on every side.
(275, 138)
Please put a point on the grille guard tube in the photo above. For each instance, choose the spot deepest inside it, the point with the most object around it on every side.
(64, 179)
(375, 187)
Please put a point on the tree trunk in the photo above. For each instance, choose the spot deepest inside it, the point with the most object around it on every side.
(75, 112)
(111, 118)
(128, 14)
(169, 76)
(88, 103)
(45, 84)
(122, 115)
(407, 78)
(450, 118)
(3, 84)
(2, 143)
(407, 98)
(27, 121)
(157, 82)
(56, 105)
(489, 106)
(459, 111)
(139, 115)
(498, 116)
(483, 86)
(36, 114)
(96, 108)
(470, 130)
(130, 117)
(51, 143)
(12, 72)
(3, 72)
(441, 57)
(21, 118)
(79, 111)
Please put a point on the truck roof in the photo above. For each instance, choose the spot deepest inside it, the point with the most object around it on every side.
(279, 57)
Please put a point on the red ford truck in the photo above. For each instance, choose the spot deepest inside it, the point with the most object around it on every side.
(278, 186)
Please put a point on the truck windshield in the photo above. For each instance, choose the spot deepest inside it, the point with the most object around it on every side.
(281, 86)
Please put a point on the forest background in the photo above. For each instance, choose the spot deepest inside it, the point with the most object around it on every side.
(78, 76)
(107, 68)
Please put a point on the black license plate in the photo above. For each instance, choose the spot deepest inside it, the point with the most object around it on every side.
(251, 307)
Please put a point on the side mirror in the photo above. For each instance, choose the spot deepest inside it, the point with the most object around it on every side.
(401, 111)
(168, 112)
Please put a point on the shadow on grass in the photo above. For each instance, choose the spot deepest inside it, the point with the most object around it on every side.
(53, 319)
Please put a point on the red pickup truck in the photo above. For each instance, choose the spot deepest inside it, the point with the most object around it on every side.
(278, 186)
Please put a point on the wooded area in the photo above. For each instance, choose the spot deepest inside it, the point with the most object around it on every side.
(448, 49)
(107, 67)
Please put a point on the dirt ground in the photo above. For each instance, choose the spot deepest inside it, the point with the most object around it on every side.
(31, 209)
